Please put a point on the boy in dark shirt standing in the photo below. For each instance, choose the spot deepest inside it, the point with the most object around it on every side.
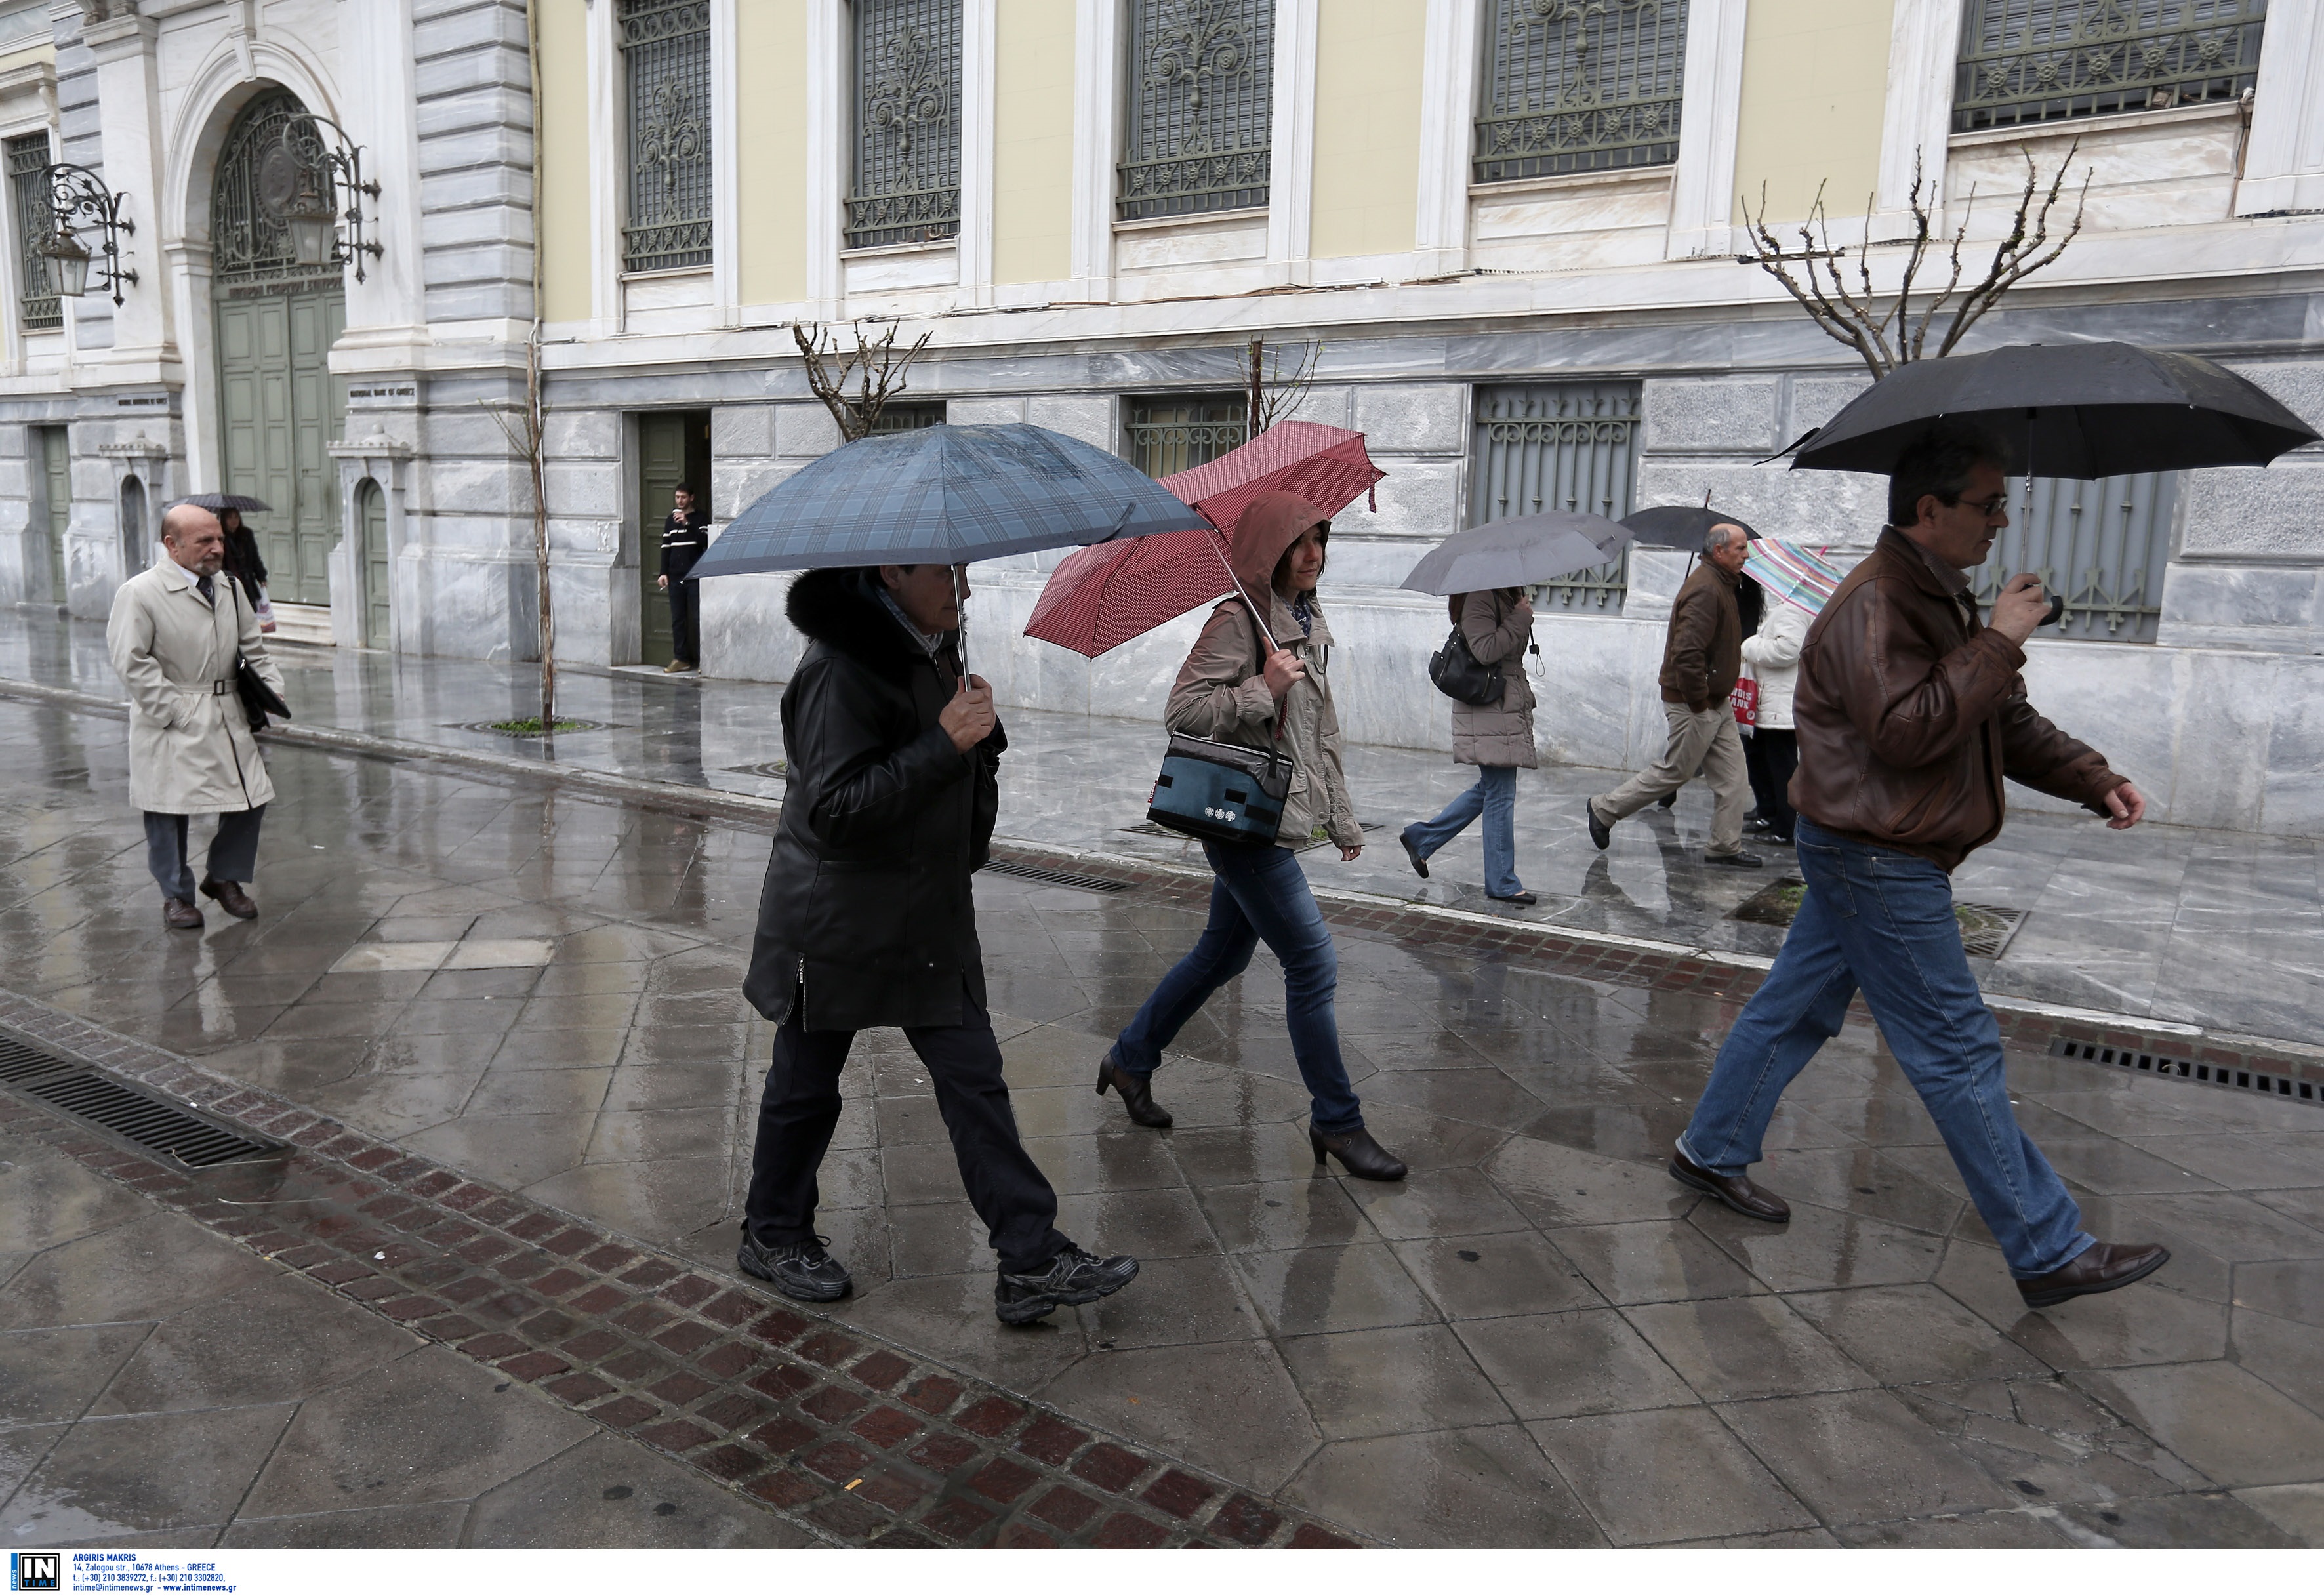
(685, 537)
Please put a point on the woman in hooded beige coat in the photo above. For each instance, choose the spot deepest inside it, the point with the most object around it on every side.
(1496, 738)
(1262, 691)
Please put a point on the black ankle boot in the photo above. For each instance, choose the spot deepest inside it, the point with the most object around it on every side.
(1136, 1092)
(1358, 1153)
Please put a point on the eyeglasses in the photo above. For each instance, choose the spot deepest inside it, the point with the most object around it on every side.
(1988, 508)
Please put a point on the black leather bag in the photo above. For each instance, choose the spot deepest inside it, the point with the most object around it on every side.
(1459, 676)
(258, 699)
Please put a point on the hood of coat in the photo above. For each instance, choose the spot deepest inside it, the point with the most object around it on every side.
(1272, 524)
(839, 609)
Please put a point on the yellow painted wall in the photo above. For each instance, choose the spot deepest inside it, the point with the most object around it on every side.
(1368, 68)
(770, 128)
(1815, 78)
(564, 155)
(29, 55)
(1033, 141)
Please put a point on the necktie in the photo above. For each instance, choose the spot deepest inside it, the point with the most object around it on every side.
(203, 583)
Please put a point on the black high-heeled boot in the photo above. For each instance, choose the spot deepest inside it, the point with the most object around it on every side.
(1358, 1153)
(1137, 1093)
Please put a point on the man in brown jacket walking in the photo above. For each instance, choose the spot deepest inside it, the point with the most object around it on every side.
(1909, 714)
(1701, 659)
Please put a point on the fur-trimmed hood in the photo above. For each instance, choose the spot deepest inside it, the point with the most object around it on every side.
(840, 609)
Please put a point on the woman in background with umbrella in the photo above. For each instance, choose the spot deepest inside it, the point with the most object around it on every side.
(1257, 686)
(1496, 738)
(1795, 582)
(242, 561)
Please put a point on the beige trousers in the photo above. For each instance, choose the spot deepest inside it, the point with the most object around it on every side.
(1707, 742)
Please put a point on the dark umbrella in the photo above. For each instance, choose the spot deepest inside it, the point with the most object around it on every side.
(1518, 552)
(215, 502)
(2064, 410)
(1680, 526)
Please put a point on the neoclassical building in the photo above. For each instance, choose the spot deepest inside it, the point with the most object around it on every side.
(1502, 234)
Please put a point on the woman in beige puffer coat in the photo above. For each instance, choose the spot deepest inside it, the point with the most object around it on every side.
(1496, 738)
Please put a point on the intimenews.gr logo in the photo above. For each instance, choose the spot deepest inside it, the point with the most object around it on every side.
(36, 1571)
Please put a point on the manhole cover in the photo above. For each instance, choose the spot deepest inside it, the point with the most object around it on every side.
(765, 770)
(1985, 928)
(532, 728)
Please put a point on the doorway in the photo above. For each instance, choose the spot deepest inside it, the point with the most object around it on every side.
(379, 572)
(673, 447)
(52, 460)
(280, 408)
(136, 547)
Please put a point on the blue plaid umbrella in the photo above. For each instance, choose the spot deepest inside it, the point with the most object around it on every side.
(946, 495)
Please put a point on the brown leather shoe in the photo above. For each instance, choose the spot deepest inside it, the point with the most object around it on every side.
(179, 915)
(1736, 1191)
(2104, 1266)
(232, 899)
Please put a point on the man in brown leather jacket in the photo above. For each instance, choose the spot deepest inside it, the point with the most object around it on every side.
(1909, 714)
(1702, 657)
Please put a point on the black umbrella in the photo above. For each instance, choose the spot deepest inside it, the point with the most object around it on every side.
(2064, 410)
(1680, 526)
(216, 502)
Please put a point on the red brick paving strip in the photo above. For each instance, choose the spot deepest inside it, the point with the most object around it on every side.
(866, 1444)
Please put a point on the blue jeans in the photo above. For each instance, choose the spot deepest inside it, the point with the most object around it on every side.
(1882, 921)
(1495, 796)
(1260, 893)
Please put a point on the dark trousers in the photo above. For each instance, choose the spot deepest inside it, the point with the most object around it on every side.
(800, 1108)
(686, 620)
(1773, 755)
(234, 850)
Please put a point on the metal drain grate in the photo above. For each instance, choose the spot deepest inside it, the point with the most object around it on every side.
(1054, 878)
(132, 1115)
(2187, 1069)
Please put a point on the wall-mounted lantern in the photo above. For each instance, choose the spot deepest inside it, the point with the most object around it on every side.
(79, 197)
(299, 182)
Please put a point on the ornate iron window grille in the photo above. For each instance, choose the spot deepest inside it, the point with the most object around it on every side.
(250, 244)
(1202, 107)
(907, 123)
(2101, 545)
(909, 416)
(1565, 445)
(1580, 86)
(38, 307)
(2043, 60)
(666, 49)
(1179, 432)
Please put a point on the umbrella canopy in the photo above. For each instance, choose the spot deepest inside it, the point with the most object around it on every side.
(1680, 526)
(217, 501)
(2065, 409)
(1518, 552)
(945, 496)
(1804, 578)
(1325, 466)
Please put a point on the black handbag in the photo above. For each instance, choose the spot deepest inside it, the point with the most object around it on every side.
(1459, 676)
(258, 699)
(1222, 793)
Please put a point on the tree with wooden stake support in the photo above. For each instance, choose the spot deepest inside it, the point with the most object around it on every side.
(873, 367)
(1268, 394)
(522, 425)
(1880, 325)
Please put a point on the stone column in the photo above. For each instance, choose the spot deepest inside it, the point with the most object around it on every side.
(128, 91)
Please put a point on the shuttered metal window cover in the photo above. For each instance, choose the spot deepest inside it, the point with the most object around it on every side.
(907, 183)
(2101, 545)
(910, 417)
(666, 53)
(1179, 432)
(1559, 446)
(1200, 82)
(1575, 86)
(2041, 61)
(37, 308)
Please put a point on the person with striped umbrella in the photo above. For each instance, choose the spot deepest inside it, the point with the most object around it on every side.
(1797, 582)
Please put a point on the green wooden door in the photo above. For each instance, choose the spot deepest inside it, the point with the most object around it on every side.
(56, 468)
(281, 410)
(371, 504)
(673, 447)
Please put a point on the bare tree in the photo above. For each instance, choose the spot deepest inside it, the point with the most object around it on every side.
(523, 425)
(873, 367)
(1268, 394)
(1882, 326)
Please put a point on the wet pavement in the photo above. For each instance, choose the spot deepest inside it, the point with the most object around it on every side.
(1538, 1340)
(2120, 922)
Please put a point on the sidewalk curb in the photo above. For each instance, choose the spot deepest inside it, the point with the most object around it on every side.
(2143, 1042)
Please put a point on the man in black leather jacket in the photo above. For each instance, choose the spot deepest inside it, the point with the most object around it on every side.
(868, 919)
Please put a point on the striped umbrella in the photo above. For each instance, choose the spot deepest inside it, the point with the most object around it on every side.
(1802, 577)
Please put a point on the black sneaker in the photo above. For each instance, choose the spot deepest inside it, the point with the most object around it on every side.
(801, 1270)
(1599, 833)
(1737, 861)
(1073, 1277)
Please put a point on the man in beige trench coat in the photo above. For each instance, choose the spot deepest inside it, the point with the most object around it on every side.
(174, 631)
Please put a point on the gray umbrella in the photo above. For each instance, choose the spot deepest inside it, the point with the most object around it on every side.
(215, 502)
(1518, 552)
